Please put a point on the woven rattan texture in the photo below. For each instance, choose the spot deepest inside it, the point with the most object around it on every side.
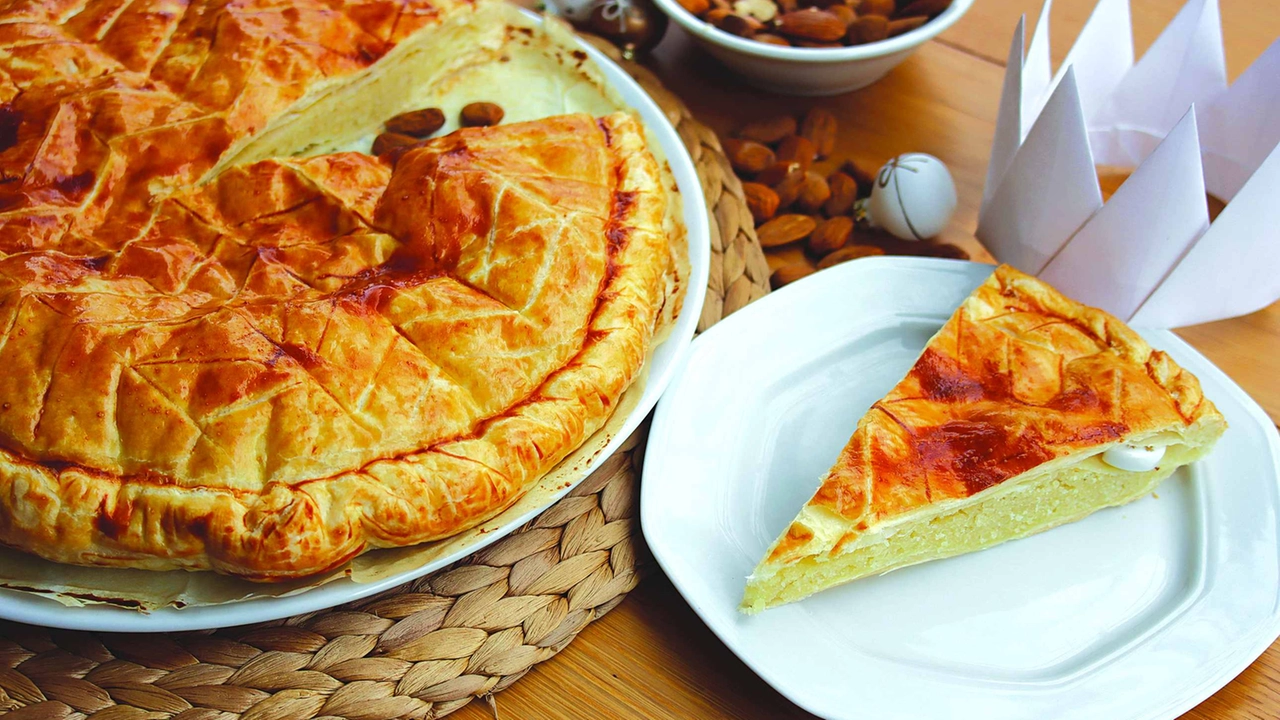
(423, 649)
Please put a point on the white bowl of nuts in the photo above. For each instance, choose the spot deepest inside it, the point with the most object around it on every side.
(813, 47)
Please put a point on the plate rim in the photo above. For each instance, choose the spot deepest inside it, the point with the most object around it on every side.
(1239, 653)
(39, 610)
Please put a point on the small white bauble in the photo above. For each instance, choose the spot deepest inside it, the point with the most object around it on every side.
(578, 11)
(913, 197)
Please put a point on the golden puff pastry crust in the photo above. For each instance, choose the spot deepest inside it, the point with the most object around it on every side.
(995, 433)
(299, 359)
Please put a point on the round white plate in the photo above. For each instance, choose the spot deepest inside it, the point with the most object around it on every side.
(1140, 611)
(29, 608)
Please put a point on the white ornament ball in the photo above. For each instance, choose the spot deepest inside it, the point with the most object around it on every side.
(578, 11)
(913, 197)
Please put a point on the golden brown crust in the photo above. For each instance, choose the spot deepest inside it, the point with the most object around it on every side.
(1020, 375)
(302, 359)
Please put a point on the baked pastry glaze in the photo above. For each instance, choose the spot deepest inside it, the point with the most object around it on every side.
(267, 368)
(997, 432)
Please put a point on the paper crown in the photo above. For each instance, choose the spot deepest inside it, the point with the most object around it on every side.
(1150, 254)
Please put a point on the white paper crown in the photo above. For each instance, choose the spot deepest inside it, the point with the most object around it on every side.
(1149, 255)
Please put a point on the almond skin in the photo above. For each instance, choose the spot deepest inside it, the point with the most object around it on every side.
(789, 188)
(785, 229)
(844, 12)
(819, 128)
(868, 29)
(883, 8)
(777, 172)
(739, 25)
(481, 114)
(864, 179)
(830, 235)
(418, 123)
(769, 130)
(844, 191)
(813, 194)
(788, 274)
(747, 156)
(927, 8)
(762, 201)
(772, 39)
(388, 140)
(811, 24)
(716, 15)
(850, 252)
(906, 24)
(797, 149)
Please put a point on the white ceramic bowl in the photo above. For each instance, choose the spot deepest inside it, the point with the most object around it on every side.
(810, 71)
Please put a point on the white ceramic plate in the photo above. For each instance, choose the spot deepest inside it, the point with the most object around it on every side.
(1135, 612)
(28, 608)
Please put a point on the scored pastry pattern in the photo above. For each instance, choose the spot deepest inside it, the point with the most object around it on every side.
(1019, 376)
(274, 369)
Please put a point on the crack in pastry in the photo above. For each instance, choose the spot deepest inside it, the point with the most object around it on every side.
(267, 366)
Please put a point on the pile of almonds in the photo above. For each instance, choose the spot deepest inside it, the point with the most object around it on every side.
(410, 128)
(816, 23)
(792, 202)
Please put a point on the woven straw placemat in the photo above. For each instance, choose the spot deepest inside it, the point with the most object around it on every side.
(423, 649)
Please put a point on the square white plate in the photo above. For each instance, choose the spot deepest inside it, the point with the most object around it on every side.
(1140, 611)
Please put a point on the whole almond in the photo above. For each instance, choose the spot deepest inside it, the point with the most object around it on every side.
(868, 29)
(762, 201)
(850, 252)
(716, 15)
(787, 6)
(811, 24)
(788, 274)
(388, 140)
(772, 39)
(418, 123)
(844, 191)
(481, 114)
(844, 12)
(816, 44)
(747, 156)
(883, 8)
(819, 128)
(696, 7)
(789, 188)
(777, 172)
(906, 24)
(785, 229)
(927, 8)
(798, 149)
(769, 130)
(864, 179)
(813, 194)
(830, 235)
(739, 25)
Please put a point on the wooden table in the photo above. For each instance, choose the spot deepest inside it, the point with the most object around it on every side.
(652, 657)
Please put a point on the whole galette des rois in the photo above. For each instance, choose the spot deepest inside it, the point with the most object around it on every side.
(224, 351)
